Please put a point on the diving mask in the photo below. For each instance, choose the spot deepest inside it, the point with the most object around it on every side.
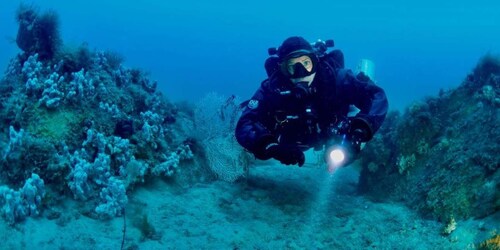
(299, 66)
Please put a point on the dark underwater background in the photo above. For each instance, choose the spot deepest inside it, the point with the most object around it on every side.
(193, 47)
(123, 137)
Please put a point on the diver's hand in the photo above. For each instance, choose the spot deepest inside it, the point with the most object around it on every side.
(359, 130)
(288, 155)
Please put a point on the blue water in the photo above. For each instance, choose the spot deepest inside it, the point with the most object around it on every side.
(192, 47)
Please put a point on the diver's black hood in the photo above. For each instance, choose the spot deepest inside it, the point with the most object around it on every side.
(294, 46)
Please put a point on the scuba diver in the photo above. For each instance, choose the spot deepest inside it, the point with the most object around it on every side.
(305, 103)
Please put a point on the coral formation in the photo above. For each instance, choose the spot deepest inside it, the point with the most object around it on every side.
(406, 162)
(38, 32)
(491, 244)
(17, 205)
(76, 123)
(441, 153)
(450, 227)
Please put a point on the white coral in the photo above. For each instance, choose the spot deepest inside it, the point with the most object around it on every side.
(406, 162)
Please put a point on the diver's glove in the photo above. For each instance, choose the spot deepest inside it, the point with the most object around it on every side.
(359, 130)
(288, 155)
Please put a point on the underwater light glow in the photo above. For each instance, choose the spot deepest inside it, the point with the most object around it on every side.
(337, 156)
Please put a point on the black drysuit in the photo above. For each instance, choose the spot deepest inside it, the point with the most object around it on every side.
(280, 112)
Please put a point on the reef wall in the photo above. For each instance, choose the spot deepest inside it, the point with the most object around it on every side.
(76, 124)
(441, 156)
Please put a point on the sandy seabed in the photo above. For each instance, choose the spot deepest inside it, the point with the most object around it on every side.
(276, 207)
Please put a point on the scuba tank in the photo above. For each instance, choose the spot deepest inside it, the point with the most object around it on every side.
(366, 66)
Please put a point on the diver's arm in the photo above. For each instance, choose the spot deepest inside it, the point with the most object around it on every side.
(250, 131)
(369, 98)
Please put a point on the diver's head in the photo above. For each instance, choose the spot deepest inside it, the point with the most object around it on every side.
(297, 60)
